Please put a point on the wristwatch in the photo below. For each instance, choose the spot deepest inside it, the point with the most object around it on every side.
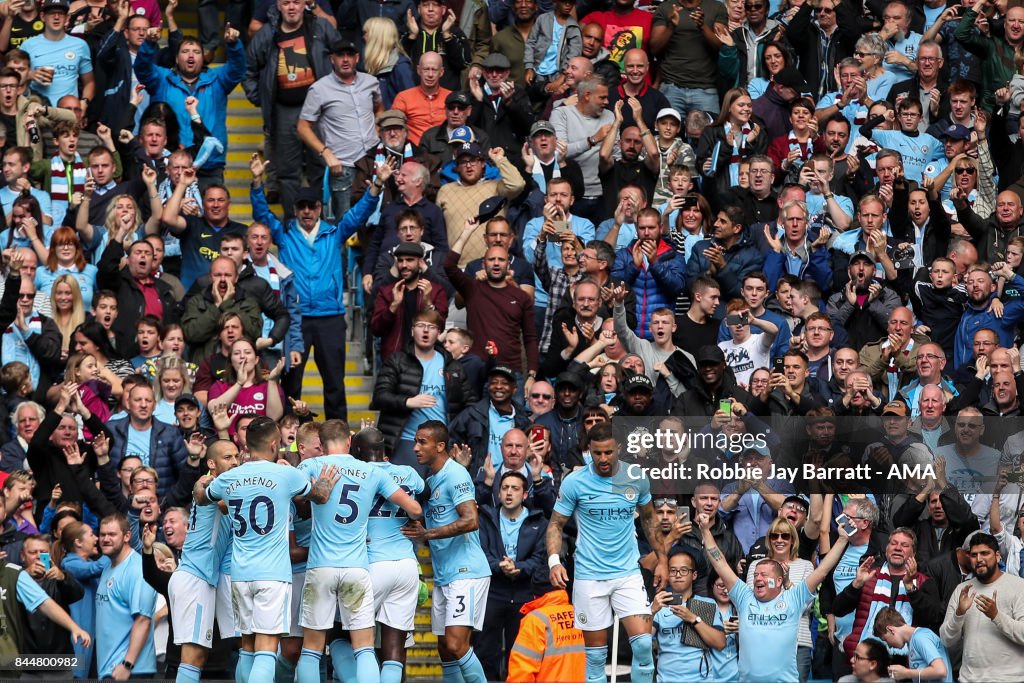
(126, 664)
(696, 621)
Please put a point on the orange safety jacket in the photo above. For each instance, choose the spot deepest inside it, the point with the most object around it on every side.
(549, 647)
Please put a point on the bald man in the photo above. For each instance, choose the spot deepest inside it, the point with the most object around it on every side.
(637, 68)
(992, 234)
(900, 346)
(562, 91)
(423, 104)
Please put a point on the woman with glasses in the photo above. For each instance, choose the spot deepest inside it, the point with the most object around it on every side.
(782, 544)
(67, 257)
(733, 137)
(970, 178)
(870, 663)
(870, 54)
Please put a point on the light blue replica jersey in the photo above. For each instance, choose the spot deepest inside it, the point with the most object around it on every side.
(458, 557)
(604, 508)
(676, 660)
(768, 632)
(303, 530)
(339, 525)
(121, 595)
(207, 540)
(259, 496)
(384, 532)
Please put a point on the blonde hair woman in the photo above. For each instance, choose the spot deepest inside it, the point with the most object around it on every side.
(384, 58)
(67, 308)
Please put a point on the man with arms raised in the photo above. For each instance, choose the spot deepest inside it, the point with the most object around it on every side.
(768, 612)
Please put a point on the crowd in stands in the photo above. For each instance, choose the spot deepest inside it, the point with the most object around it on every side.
(788, 232)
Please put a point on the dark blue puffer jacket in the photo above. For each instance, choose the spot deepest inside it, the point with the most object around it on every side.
(655, 286)
(167, 452)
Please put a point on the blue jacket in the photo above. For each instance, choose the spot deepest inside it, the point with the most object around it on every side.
(318, 271)
(741, 259)
(818, 268)
(975, 318)
(293, 338)
(167, 454)
(212, 90)
(655, 287)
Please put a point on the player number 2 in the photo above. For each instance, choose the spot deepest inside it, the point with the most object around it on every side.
(378, 507)
(344, 499)
(242, 525)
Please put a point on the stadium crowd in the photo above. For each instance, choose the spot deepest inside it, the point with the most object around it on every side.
(788, 234)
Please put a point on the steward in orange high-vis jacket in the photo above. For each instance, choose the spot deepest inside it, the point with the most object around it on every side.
(549, 647)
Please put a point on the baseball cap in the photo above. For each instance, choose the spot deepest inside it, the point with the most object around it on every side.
(471, 149)
(797, 499)
(955, 131)
(391, 118)
(61, 5)
(638, 382)
(489, 208)
(541, 127)
(461, 135)
(710, 354)
(569, 377)
(187, 398)
(895, 408)
(862, 254)
(457, 97)
(308, 195)
(502, 370)
(668, 111)
(791, 78)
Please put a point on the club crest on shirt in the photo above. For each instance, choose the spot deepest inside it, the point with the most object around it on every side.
(781, 604)
(630, 493)
(69, 55)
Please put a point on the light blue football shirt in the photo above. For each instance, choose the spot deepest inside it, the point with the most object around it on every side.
(384, 530)
(339, 525)
(768, 632)
(121, 595)
(458, 557)
(604, 508)
(258, 495)
(207, 540)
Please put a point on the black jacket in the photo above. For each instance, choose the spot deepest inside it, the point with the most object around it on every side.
(399, 380)
(531, 554)
(130, 299)
(726, 541)
(43, 636)
(701, 402)
(509, 125)
(541, 494)
(44, 346)
(810, 45)
(473, 427)
(961, 522)
(50, 467)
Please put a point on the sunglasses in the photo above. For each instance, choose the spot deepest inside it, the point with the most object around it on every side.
(546, 397)
(781, 536)
(826, 10)
(661, 502)
(969, 170)
(457, 107)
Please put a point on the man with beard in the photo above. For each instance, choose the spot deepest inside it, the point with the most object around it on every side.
(190, 77)
(728, 256)
(398, 302)
(583, 128)
(417, 383)
(981, 293)
(638, 159)
(639, 397)
(983, 617)
(500, 233)
(878, 583)
(497, 310)
(125, 606)
(864, 304)
(480, 426)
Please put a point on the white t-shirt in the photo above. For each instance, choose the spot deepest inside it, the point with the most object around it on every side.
(747, 356)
